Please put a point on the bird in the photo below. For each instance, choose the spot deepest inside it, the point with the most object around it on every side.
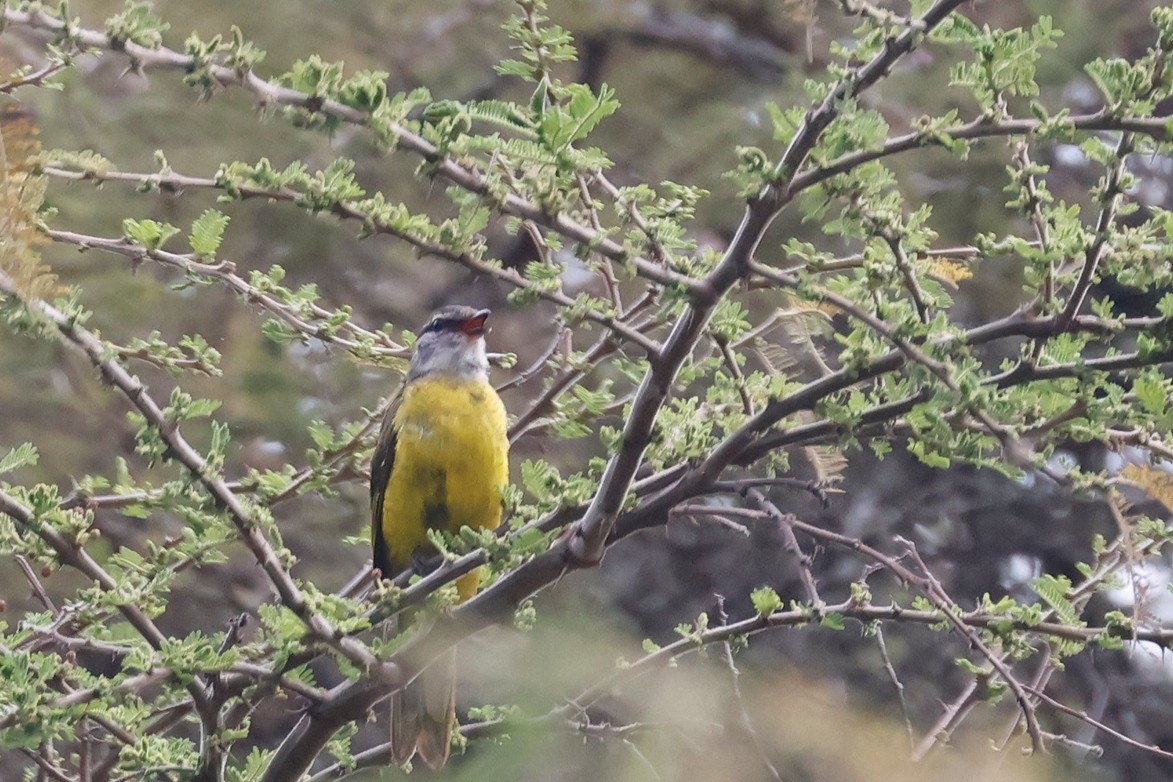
(441, 462)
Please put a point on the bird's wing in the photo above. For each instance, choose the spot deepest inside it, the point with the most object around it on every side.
(381, 465)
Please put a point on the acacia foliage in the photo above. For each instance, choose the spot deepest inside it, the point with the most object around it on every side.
(702, 376)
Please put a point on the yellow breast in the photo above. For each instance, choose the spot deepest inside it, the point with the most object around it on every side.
(450, 466)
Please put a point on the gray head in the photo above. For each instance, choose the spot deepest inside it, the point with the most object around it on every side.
(452, 342)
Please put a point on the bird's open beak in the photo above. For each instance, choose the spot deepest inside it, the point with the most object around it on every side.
(475, 326)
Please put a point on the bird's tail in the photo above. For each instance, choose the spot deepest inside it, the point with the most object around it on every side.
(423, 714)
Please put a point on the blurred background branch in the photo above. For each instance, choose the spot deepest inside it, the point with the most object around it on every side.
(836, 340)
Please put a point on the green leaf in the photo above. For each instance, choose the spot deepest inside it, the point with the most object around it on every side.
(279, 331)
(202, 408)
(137, 24)
(254, 768)
(22, 455)
(149, 233)
(314, 76)
(321, 434)
(1054, 590)
(539, 478)
(1153, 391)
(207, 232)
(972, 667)
(1165, 305)
(365, 90)
(832, 620)
(765, 600)
(563, 125)
(1122, 82)
(514, 68)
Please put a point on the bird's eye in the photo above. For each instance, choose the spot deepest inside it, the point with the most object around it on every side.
(437, 324)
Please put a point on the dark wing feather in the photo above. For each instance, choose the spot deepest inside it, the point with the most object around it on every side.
(381, 464)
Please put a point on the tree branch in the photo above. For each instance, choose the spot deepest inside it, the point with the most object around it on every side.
(270, 93)
(136, 393)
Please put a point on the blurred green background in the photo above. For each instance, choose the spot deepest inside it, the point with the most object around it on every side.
(693, 78)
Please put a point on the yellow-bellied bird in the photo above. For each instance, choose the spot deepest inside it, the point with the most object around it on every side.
(441, 463)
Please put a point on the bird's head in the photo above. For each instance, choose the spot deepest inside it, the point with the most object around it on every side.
(452, 342)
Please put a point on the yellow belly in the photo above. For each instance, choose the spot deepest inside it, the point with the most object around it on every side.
(451, 464)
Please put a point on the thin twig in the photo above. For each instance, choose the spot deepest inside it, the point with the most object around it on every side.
(747, 725)
(1110, 202)
(267, 93)
(785, 527)
(540, 363)
(1151, 749)
(878, 629)
(135, 392)
(954, 713)
(37, 587)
